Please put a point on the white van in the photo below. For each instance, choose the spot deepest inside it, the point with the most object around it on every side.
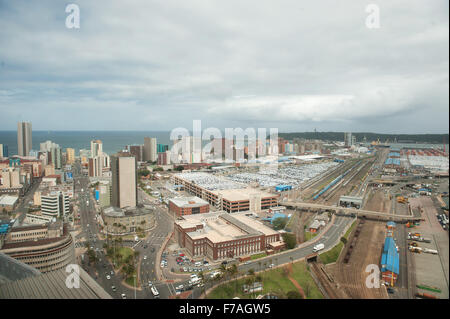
(318, 247)
(154, 292)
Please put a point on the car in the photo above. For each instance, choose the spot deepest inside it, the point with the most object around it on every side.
(185, 269)
(113, 288)
(224, 262)
(145, 246)
(124, 296)
(112, 272)
(145, 257)
(108, 277)
(150, 284)
(271, 265)
(247, 262)
(390, 290)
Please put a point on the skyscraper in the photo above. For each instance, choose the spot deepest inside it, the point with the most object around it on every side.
(150, 149)
(24, 138)
(96, 148)
(124, 180)
(70, 155)
(348, 139)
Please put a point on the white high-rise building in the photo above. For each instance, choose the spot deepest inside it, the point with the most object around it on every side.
(96, 148)
(150, 149)
(24, 138)
(55, 204)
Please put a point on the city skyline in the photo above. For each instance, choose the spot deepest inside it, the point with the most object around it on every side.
(294, 66)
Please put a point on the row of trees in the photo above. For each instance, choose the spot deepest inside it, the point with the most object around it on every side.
(251, 278)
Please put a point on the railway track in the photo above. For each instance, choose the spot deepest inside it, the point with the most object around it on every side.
(325, 279)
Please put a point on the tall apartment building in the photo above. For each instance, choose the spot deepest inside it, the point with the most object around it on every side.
(24, 138)
(96, 166)
(96, 148)
(150, 149)
(70, 155)
(348, 139)
(124, 180)
(55, 204)
(56, 155)
(3, 150)
(10, 177)
(137, 151)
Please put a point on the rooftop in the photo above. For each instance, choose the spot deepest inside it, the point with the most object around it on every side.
(221, 226)
(242, 193)
(192, 201)
(28, 283)
(8, 200)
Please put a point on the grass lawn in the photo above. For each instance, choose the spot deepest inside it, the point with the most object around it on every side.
(332, 255)
(274, 280)
(130, 281)
(309, 235)
(256, 256)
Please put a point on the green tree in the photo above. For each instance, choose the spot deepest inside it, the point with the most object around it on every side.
(290, 240)
(279, 223)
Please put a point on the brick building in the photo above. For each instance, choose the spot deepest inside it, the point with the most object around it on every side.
(188, 206)
(220, 235)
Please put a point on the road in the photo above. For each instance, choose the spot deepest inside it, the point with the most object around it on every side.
(329, 239)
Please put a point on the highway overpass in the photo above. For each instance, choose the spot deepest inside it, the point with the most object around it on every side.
(350, 211)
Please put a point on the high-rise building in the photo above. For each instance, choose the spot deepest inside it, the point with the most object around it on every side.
(124, 180)
(348, 141)
(10, 177)
(5, 151)
(161, 148)
(56, 155)
(55, 204)
(150, 149)
(137, 151)
(70, 155)
(24, 138)
(96, 166)
(96, 148)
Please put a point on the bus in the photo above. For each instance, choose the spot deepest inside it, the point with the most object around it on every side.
(154, 292)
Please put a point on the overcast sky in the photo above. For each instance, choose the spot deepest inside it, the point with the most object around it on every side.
(294, 65)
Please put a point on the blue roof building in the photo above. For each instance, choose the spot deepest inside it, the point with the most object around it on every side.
(390, 259)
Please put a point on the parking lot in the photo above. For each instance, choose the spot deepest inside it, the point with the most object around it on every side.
(430, 269)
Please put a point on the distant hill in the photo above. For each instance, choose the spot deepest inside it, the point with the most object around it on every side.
(339, 136)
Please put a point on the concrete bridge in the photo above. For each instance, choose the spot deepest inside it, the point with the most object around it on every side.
(351, 211)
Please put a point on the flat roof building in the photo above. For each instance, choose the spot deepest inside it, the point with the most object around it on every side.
(188, 205)
(225, 194)
(219, 235)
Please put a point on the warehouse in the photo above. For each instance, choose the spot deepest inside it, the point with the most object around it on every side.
(219, 235)
(389, 261)
(181, 206)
